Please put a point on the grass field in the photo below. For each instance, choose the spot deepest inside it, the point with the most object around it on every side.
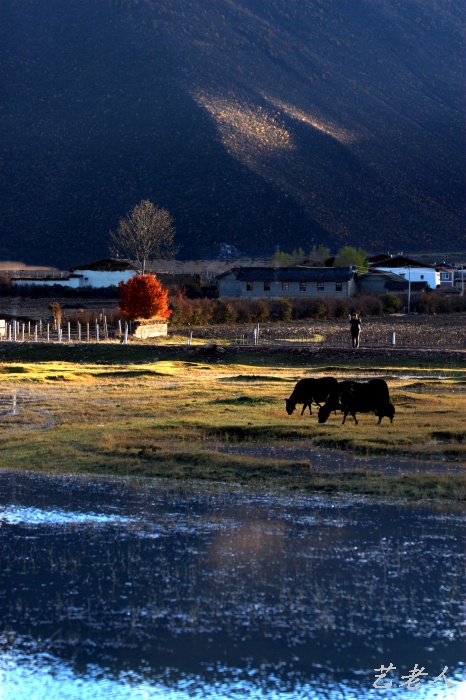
(164, 417)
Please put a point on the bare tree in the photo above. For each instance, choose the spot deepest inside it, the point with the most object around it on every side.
(147, 232)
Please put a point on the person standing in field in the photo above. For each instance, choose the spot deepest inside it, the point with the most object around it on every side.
(355, 327)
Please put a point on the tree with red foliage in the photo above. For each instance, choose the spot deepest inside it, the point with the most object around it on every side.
(143, 296)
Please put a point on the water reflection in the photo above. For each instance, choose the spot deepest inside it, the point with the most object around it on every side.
(129, 589)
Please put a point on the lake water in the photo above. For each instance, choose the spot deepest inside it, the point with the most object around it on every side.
(140, 589)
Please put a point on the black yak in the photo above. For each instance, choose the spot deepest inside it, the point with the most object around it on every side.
(359, 397)
(309, 391)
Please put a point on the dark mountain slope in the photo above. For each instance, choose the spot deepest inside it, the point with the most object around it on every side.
(257, 123)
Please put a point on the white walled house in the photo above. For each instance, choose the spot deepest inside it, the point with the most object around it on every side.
(416, 274)
(63, 280)
(411, 270)
(102, 273)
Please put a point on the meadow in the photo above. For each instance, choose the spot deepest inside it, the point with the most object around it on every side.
(185, 416)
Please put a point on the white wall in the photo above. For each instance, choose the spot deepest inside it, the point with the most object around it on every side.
(100, 278)
(73, 282)
(416, 274)
(83, 278)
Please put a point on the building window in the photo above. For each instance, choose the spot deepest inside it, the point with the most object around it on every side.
(285, 286)
(422, 277)
(249, 286)
(320, 286)
(338, 286)
(445, 275)
(266, 286)
(302, 286)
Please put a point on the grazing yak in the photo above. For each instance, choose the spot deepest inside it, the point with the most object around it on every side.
(359, 397)
(309, 391)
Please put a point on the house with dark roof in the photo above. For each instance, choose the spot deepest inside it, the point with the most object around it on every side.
(380, 282)
(410, 269)
(276, 282)
(447, 276)
(101, 273)
(104, 273)
(377, 259)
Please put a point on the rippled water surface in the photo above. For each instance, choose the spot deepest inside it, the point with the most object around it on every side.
(139, 589)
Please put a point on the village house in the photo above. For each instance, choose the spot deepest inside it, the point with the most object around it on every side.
(411, 270)
(376, 281)
(104, 273)
(447, 277)
(99, 274)
(276, 282)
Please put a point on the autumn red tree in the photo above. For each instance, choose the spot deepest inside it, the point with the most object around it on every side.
(143, 296)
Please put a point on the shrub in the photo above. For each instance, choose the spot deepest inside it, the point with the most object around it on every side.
(281, 309)
(302, 308)
(223, 312)
(339, 308)
(368, 305)
(262, 312)
(203, 311)
(390, 303)
(319, 308)
(245, 310)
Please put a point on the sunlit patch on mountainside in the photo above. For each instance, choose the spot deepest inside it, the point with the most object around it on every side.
(247, 132)
(327, 127)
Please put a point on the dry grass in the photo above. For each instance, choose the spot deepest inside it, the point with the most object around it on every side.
(156, 419)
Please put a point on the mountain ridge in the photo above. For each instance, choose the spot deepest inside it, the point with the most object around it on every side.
(256, 123)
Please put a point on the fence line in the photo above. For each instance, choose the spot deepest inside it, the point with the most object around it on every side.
(16, 331)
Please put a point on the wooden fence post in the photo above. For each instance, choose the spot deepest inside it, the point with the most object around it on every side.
(35, 333)
(48, 332)
(69, 331)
